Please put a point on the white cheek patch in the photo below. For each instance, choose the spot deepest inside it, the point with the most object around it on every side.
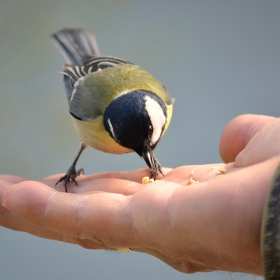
(157, 118)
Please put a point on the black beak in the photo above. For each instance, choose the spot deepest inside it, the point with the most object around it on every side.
(152, 162)
(149, 158)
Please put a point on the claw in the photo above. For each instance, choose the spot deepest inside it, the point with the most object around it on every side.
(153, 163)
(72, 173)
(156, 168)
(70, 176)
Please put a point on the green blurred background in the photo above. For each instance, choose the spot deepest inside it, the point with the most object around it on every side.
(219, 59)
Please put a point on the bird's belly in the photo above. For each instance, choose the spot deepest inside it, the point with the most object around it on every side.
(92, 133)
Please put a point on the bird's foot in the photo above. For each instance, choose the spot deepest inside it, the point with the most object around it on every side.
(156, 169)
(70, 176)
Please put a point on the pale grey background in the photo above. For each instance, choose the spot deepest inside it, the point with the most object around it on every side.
(219, 59)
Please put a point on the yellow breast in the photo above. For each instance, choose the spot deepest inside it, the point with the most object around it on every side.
(92, 133)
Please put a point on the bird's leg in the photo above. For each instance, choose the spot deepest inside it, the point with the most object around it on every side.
(152, 162)
(71, 172)
(156, 167)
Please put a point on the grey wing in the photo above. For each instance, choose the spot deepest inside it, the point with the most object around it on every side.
(82, 104)
(81, 101)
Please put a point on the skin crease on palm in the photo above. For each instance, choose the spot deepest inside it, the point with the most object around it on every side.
(213, 225)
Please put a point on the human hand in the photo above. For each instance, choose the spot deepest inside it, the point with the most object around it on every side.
(214, 225)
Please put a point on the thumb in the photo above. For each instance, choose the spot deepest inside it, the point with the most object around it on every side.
(249, 139)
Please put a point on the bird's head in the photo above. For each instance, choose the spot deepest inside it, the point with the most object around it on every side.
(136, 120)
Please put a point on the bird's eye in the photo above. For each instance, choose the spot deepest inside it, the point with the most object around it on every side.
(150, 132)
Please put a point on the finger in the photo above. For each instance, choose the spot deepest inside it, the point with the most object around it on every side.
(11, 178)
(12, 221)
(135, 175)
(192, 174)
(88, 184)
(3, 211)
(101, 217)
(262, 146)
(239, 132)
(8, 218)
(103, 181)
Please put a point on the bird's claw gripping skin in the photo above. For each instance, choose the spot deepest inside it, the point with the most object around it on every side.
(70, 176)
(156, 168)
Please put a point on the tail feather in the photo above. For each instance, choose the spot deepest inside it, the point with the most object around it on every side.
(76, 45)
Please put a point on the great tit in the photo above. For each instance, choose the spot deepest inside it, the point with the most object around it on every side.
(116, 106)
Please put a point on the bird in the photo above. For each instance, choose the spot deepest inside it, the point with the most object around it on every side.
(116, 106)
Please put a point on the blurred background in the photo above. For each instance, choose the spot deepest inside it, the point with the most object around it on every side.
(219, 59)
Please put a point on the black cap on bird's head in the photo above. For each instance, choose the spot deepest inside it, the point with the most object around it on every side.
(136, 120)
